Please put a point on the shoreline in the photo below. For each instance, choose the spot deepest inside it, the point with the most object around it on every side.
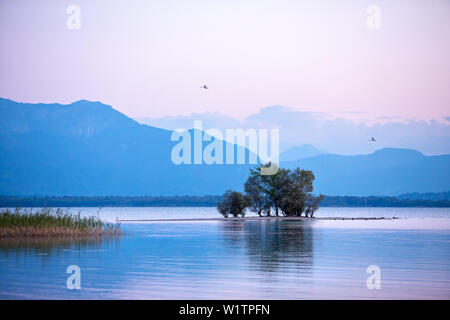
(208, 201)
(254, 219)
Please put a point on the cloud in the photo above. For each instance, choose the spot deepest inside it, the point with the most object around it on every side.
(335, 133)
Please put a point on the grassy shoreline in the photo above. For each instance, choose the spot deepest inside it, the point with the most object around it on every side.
(49, 222)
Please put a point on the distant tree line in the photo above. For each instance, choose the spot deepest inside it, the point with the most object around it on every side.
(199, 201)
(286, 193)
(372, 201)
(435, 196)
(110, 201)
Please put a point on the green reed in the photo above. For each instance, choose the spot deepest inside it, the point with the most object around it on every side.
(52, 222)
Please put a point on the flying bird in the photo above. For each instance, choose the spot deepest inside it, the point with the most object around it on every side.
(372, 139)
(204, 87)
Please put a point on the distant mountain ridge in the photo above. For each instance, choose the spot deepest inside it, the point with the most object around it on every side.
(386, 172)
(300, 152)
(88, 148)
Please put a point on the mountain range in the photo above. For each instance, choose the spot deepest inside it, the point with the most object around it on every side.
(342, 133)
(300, 152)
(89, 148)
(388, 171)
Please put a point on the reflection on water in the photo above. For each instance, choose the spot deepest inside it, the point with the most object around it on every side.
(36, 267)
(271, 245)
(232, 260)
(52, 245)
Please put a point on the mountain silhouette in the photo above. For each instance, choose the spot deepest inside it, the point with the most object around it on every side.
(300, 152)
(388, 171)
(89, 148)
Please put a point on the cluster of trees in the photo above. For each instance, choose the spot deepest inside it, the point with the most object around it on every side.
(287, 193)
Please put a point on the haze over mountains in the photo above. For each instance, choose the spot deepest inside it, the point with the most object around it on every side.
(346, 133)
(300, 152)
(88, 148)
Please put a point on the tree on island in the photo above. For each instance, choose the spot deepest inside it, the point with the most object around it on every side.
(234, 203)
(288, 193)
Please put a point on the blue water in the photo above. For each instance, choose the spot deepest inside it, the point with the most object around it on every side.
(239, 259)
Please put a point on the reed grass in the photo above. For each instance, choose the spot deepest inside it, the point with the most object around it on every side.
(49, 222)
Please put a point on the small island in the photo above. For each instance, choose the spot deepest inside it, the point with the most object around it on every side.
(287, 193)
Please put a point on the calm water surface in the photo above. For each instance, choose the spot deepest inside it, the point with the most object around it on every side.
(239, 259)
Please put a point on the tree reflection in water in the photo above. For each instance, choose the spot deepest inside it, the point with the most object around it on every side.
(281, 248)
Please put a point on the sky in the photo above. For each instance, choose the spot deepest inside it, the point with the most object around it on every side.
(148, 59)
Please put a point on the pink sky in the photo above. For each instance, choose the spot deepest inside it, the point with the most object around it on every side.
(149, 58)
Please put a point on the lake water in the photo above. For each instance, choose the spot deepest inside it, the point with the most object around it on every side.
(239, 259)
